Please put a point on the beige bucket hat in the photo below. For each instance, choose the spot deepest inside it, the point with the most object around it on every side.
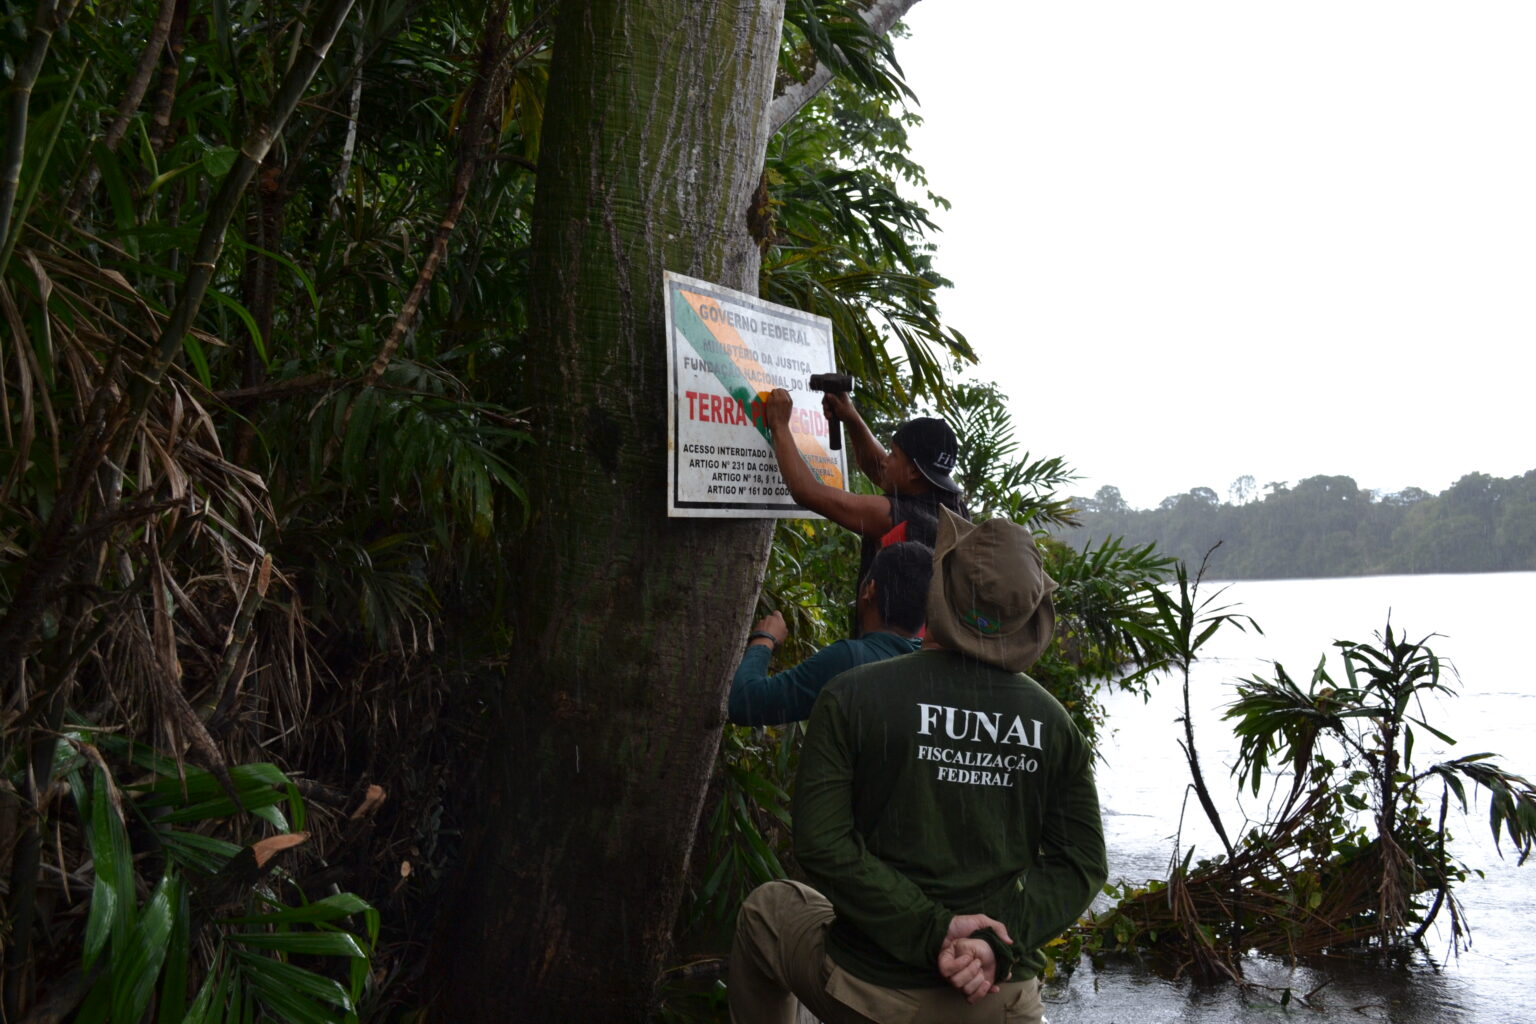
(990, 598)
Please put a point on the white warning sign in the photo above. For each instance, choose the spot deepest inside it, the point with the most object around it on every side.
(726, 349)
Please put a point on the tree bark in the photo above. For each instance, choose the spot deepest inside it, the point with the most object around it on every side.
(630, 622)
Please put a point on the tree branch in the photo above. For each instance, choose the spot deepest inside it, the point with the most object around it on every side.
(879, 16)
(474, 141)
(138, 86)
(278, 389)
(349, 141)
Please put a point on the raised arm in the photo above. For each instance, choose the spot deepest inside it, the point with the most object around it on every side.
(758, 698)
(865, 514)
(868, 452)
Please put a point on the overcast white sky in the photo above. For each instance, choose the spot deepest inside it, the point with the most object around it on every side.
(1196, 240)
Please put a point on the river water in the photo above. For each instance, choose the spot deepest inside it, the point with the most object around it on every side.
(1484, 626)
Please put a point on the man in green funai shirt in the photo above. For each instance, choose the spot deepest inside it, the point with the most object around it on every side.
(945, 813)
(892, 605)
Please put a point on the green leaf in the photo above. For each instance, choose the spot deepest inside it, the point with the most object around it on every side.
(223, 807)
(310, 943)
(119, 194)
(197, 783)
(194, 351)
(359, 432)
(219, 160)
(245, 317)
(114, 862)
(147, 152)
(136, 967)
(97, 1004)
(213, 998)
(206, 854)
(53, 122)
(173, 983)
(292, 1007)
(298, 272)
(100, 921)
(199, 796)
(332, 908)
(165, 178)
(1442, 737)
(271, 814)
(295, 808)
(271, 976)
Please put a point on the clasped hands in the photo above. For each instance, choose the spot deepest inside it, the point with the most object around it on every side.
(969, 964)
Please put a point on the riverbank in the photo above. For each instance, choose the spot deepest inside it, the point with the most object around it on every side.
(1142, 782)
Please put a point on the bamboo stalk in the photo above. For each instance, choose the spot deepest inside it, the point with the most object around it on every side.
(170, 74)
(47, 561)
(51, 15)
(8, 243)
(210, 241)
(236, 656)
(349, 141)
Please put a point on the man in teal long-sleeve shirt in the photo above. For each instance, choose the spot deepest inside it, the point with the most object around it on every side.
(891, 608)
(946, 809)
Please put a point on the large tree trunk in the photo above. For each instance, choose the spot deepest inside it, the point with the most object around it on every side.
(630, 622)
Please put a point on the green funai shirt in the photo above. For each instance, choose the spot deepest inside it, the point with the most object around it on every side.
(935, 785)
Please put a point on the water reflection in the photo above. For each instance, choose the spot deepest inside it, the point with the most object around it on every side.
(1336, 990)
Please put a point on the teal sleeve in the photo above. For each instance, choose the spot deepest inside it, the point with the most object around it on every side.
(760, 699)
(1069, 873)
(867, 893)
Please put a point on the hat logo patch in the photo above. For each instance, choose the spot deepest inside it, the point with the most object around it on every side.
(944, 460)
(981, 623)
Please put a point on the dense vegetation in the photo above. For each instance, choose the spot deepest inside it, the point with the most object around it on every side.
(1329, 526)
(274, 459)
(265, 453)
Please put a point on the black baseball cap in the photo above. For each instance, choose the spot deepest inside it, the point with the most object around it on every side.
(932, 447)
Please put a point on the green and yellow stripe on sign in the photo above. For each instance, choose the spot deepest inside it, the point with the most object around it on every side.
(720, 347)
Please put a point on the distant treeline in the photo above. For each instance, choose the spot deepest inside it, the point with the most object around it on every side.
(1329, 526)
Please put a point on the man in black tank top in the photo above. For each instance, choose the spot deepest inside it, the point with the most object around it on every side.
(929, 445)
(915, 476)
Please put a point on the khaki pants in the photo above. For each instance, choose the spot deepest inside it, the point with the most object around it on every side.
(779, 957)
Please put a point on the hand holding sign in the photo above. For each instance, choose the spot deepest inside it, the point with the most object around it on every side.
(776, 409)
